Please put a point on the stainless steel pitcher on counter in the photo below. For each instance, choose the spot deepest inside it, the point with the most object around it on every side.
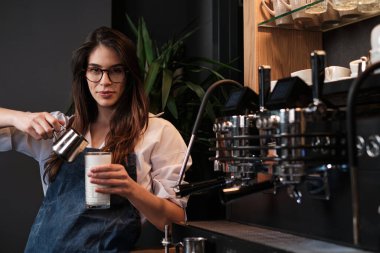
(192, 245)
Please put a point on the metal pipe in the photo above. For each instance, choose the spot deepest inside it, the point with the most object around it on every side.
(197, 121)
(352, 152)
(166, 242)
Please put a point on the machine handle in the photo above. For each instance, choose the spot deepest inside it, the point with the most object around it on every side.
(264, 85)
(318, 64)
(187, 189)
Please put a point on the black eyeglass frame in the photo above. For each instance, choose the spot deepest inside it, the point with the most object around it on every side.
(126, 71)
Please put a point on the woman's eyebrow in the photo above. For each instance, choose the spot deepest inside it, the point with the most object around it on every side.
(99, 66)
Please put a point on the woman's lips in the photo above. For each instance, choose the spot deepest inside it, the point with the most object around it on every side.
(105, 94)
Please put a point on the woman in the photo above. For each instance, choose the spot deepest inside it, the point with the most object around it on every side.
(111, 111)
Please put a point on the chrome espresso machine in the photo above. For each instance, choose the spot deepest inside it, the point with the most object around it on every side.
(306, 160)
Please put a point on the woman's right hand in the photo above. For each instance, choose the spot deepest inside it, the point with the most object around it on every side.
(39, 125)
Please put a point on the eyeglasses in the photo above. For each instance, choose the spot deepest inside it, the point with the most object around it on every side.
(115, 74)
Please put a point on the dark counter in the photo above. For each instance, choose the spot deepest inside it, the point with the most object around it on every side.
(231, 237)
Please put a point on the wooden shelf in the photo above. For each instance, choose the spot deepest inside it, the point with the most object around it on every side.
(284, 50)
(353, 17)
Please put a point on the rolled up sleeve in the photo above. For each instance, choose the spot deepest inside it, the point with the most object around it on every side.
(161, 153)
(166, 175)
(5, 139)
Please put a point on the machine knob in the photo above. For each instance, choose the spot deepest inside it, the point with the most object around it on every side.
(360, 145)
(216, 127)
(226, 126)
(274, 121)
(259, 123)
(373, 146)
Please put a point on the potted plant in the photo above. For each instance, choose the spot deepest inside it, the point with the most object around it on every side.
(174, 82)
(176, 85)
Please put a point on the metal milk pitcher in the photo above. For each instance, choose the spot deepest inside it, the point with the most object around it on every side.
(69, 145)
(192, 245)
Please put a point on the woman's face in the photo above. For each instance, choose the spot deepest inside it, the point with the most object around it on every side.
(106, 77)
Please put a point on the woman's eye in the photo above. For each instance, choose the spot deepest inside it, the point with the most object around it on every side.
(117, 70)
(95, 70)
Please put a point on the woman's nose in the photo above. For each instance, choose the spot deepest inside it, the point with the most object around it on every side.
(106, 80)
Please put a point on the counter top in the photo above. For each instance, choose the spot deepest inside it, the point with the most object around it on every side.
(226, 236)
(336, 92)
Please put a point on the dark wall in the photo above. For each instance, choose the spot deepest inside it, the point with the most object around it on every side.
(220, 34)
(37, 38)
(349, 43)
(168, 18)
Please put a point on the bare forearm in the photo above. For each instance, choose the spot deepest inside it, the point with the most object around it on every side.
(158, 211)
(39, 125)
(7, 117)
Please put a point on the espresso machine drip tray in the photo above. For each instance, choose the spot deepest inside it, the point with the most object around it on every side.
(226, 236)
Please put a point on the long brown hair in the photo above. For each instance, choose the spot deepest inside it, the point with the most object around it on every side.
(131, 115)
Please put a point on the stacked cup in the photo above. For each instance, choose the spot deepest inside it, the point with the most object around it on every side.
(375, 45)
(368, 6)
(278, 9)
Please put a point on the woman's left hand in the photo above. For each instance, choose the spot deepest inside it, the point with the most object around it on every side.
(114, 177)
(116, 180)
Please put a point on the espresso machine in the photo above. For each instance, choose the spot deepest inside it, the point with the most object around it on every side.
(305, 160)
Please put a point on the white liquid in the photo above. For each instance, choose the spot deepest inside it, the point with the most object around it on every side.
(95, 199)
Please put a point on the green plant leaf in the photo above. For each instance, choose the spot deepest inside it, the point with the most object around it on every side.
(186, 35)
(213, 62)
(198, 68)
(196, 88)
(151, 76)
(147, 42)
(131, 25)
(140, 47)
(167, 80)
(172, 107)
(180, 90)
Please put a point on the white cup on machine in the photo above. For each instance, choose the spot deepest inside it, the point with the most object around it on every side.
(304, 74)
(355, 66)
(375, 46)
(334, 73)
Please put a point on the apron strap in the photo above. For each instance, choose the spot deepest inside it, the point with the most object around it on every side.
(130, 165)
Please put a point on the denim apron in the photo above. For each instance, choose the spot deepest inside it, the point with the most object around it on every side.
(63, 224)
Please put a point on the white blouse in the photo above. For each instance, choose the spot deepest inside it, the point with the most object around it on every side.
(159, 155)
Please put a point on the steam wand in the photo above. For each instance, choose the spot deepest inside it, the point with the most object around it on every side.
(196, 124)
(166, 242)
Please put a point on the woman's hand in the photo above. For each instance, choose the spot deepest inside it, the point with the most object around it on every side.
(115, 177)
(40, 125)
(158, 211)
